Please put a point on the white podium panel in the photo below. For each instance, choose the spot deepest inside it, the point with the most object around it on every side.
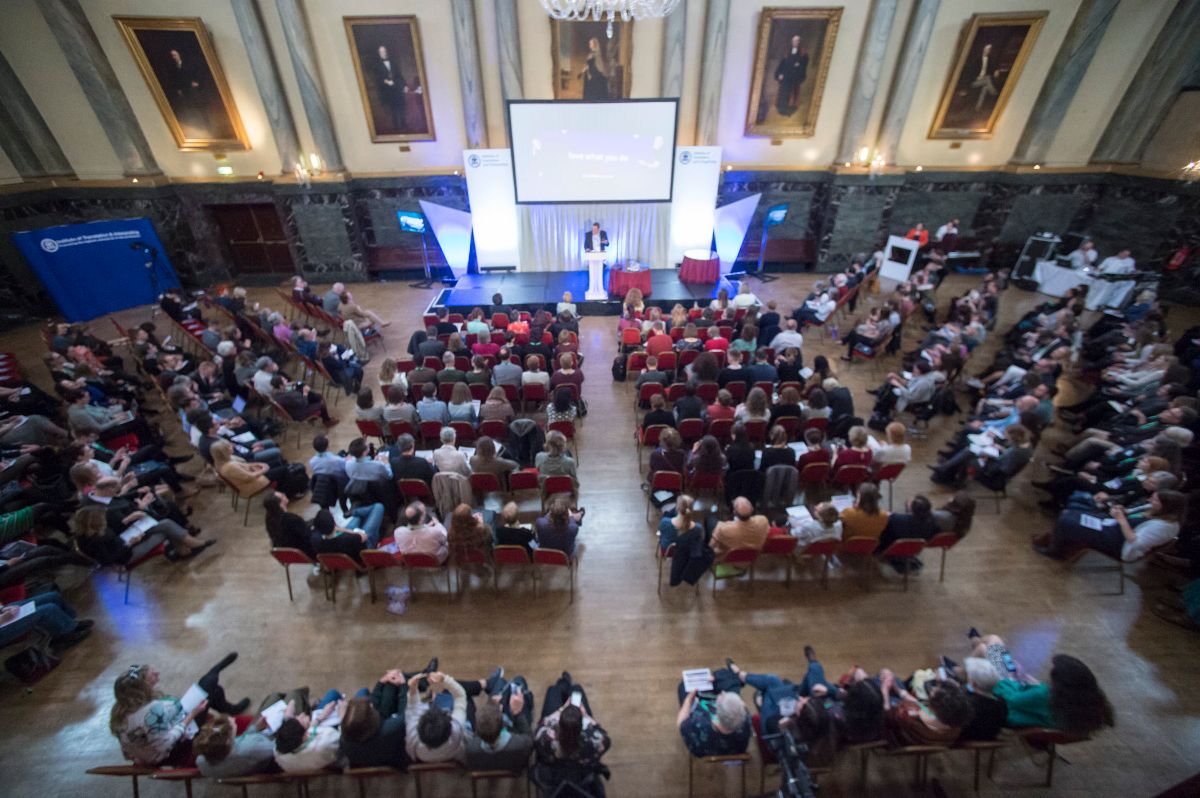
(595, 265)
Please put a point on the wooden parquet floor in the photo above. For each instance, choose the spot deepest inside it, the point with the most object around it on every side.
(621, 640)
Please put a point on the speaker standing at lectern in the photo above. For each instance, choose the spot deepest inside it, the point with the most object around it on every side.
(596, 240)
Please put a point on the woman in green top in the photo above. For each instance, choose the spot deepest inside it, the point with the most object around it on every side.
(1071, 701)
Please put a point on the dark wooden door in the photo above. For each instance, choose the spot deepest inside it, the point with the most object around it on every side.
(253, 235)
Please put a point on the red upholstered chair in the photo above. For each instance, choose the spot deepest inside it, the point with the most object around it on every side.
(888, 473)
(126, 771)
(523, 480)
(850, 476)
(707, 484)
(499, 321)
(767, 387)
(398, 428)
(798, 387)
(289, 557)
(721, 429)
(371, 429)
(903, 548)
(412, 489)
(815, 423)
(483, 484)
(662, 557)
(756, 431)
(462, 363)
(379, 560)
(1048, 740)
(479, 391)
(791, 425)
(631, 338)
(431, 362)
(737, 390)
(556, 484)
(676, 391)
(470, 557)
(445, 391)
(686, 357)
(533, 392)
(862, 548)
(431, 432)
(554, 559)
(691, 430)
(464, 431)
(742, 559)
(822, 548)
(428, 564)
(512, 393)
(127, 570)
(781, 544)
(663, 480)
(702, 333)
(644, 394)
(944, 541)
(707, 391)
(494, 429)
(668, 362)
(331, 564)
(509, 555)
(648, 437)
(634, 364)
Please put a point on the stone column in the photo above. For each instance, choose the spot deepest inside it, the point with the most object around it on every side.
(470, 78)
(509, 40)
(95, 74)
(674, 34)
(270, 88)
(1172, 61)
(866, 79)
(1066, 73)
(904, 83)
(712, 66)
(304, 64)
(24, 134)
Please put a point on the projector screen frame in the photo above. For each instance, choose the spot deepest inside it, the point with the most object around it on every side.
(619, 101)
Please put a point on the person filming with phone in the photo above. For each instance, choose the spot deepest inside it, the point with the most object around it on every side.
(569, 742)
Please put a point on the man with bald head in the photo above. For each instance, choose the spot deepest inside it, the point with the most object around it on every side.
(744, 531)
(333, 298)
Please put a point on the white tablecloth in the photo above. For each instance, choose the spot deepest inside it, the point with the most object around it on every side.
(1057, 280)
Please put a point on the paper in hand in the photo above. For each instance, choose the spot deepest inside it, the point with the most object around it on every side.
(698, 679)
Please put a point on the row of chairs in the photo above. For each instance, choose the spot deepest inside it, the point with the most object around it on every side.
(301, 780)
(783, 546)
(371, 335)
(376, 560)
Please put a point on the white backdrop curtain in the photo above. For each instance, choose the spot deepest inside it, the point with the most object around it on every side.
(552, 235)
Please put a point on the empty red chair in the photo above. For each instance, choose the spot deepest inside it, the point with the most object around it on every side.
(378, 560)
(431, 362)
(483, 484)
(814, 423)
(557, 484)
(525, 479)
(533, 392)
(691, 430)
(702, 333)
(555, 559)
(413, 489)
(512, 393)
(676, 391)
(687, 356)
(466, 558)
(398, 428)
(128, 568)
(737, 390)
(634, 364)
(431, 433)
(661, 557)
(479, 391)
(706, 483)
(454, 318)
(888, 473)
(781, 544)
(288, 557)
(864, 549)
(462, 363)
(707, 391)
(767, 387)
(331, 564)
(445, 391)
(499, 320)
(850, 476)
(668, 362)
(721, 429)
(756, 431)
(725, 332)
(790, 424)
(799, 388)
(464, 431)
(631, 338)
(496, 430)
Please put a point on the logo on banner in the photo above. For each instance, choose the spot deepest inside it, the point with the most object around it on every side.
(49, 245)
(685, 157)
(474, 160)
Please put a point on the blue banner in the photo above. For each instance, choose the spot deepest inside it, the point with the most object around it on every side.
(99, 267)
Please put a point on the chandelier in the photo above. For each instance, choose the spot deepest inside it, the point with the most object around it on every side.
(598, 10)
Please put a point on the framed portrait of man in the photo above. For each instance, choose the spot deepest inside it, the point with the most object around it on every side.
(391, 77)
(588, 65)
(177, 58)
(791, 64)
(991, 53)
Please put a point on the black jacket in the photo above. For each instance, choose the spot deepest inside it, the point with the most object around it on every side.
(386, 748)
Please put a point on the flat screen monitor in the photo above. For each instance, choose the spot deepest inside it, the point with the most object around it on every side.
(584, 151)
(411, 222)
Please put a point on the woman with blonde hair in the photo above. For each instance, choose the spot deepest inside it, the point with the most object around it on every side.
(389, 374)
(679, 316)
(567, 304)
(634, 297)
(894, 450)
(722, 300)
(246, 478)
(858, 452)
(678, 523)
(461, 408)
(554, 460)
(153, 728)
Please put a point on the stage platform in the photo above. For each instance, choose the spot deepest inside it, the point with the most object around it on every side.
(533, 290)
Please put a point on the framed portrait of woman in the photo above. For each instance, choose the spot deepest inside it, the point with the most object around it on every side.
(177, 58)
(791, 63)
(588, 65)
(391, 77)
(992, 51)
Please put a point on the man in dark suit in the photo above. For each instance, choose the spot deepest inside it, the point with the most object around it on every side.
(596, 240)
(791, 74)
(390, 85)
(841, 401)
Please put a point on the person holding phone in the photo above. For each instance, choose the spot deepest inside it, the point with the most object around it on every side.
(567, 734)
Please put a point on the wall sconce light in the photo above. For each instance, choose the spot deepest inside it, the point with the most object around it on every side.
(302, 175)
(1037, 166)
(920, 168)
(133, 180)
(224, 168)
(315, 161)
(261, 176)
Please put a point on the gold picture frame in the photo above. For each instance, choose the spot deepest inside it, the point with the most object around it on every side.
(177, 58)
(394, 91)
(575, 67)
(971, 101)
(784, 104)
